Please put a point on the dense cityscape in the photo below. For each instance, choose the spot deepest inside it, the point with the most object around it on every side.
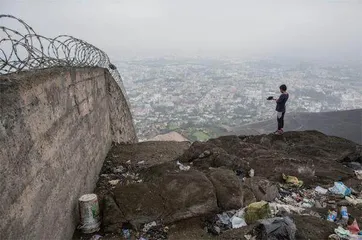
(202, 98)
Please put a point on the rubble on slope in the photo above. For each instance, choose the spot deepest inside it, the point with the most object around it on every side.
(295, 178)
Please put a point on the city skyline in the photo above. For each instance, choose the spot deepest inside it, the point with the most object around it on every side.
(214, 95)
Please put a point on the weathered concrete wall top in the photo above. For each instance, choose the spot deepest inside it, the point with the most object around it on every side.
(56, 127)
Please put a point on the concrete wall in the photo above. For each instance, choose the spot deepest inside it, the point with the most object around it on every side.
(56, 127)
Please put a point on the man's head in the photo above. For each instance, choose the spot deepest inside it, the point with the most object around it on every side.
(283, 88)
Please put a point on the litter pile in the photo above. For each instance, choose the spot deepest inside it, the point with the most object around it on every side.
(272, 220)
(225, 183)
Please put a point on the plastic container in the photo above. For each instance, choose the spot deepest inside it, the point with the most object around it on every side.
(126, 234)
(89, 213)
(332, 216)
(344, 212)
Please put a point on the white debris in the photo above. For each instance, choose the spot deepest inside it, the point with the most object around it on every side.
(237, 222)
(251, 173)
(183, 167)
(148, 226)
(114, 182)
(119, 169)
(358, 174)
(321, 190)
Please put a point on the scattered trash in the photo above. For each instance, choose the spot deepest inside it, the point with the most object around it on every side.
(89, 213)
(96, 237)
(276, 228)
(225, 221)
(182, 167)
(141, 162)
(354, 165)
(217, 230)
(344, 215)
(334, 237)
(358, 174)
(206, 153)
(237, 222)
(292, 180)
(114, 182)
(240, 173)
(276, 208)
(157, 232)
(224, 218)
(332, 216)
(308, 203)
(126, 233)
(128, 162)
(249, 237)
(119, 169)
(340, 188)
(153, 230)
(148, 226)
(354, 228)
(321, 190)
(256, 211)
(251, 173)
(341, 232)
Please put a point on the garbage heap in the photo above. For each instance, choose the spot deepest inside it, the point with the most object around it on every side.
(301, 185)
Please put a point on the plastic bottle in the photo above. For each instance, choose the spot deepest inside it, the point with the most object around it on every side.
(332, 216)
(344, 214)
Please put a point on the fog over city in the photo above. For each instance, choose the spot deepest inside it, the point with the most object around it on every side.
(322, 29)
(204, 68)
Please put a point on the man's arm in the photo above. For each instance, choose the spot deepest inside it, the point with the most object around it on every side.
(280, 99)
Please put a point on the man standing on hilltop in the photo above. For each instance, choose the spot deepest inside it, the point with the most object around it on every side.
(283, 98)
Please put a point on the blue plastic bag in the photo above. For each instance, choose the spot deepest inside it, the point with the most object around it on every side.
(340, 188)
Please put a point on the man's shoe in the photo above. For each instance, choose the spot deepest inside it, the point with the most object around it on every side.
(278, 132)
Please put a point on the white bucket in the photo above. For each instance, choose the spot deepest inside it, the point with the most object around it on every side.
(89, 213)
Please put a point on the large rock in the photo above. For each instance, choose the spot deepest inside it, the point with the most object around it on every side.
(187, 194)
(262, 188)
(140, 203)
(228, 188)
(311, 227)
(171, 197)
(313, 157)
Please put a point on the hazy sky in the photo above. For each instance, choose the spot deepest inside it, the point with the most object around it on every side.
(304, 28)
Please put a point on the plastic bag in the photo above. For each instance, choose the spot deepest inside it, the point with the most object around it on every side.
(237, 222)
(340, 188)
(321, 190)
(276, 229)
(354, 228)
(256, 211)
(341, 232)
(292, 180)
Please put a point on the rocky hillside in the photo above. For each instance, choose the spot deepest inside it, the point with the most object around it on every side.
(183, 187)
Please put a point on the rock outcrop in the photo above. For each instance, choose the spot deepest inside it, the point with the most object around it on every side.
(218, 180)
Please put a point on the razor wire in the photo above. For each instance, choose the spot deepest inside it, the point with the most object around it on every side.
(21, 49)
